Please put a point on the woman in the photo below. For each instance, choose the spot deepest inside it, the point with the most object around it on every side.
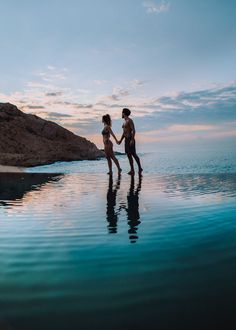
(108, 145)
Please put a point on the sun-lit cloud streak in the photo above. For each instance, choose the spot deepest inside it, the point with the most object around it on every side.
(184, 116)
(54, 94)
(187, 133)
(177, 115)
(156, 8)
(191, 128)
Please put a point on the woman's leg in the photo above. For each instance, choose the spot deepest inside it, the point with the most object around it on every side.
(107, 149)
(109, 164)
(113, 157)
(115, 160)
(110, 154)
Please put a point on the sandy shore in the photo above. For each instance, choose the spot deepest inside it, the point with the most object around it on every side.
(11, 169)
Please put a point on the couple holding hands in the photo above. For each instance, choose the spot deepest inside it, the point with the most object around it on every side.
(128, 135)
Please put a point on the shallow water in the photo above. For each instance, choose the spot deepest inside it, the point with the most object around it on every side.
(176, 161)
(85, 251)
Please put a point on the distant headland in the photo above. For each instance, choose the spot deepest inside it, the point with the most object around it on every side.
(28, 140)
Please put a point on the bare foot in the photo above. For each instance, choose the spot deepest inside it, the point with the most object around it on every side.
(140, 172)
(131, 173)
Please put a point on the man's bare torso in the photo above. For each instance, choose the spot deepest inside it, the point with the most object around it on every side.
(128, 127)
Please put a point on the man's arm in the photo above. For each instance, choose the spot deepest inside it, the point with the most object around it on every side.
(132, 131)
(121, 139)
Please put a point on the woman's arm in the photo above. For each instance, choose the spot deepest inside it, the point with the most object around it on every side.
(112, 134)
(121, 139)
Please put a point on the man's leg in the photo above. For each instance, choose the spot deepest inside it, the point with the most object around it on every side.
(136, 157)
(131, 172)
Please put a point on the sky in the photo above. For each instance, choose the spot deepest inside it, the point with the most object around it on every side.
(173, 63)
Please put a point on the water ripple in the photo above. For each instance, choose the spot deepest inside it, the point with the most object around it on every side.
(89, 245)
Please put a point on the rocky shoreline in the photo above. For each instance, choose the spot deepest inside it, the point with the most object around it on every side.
(28, 140)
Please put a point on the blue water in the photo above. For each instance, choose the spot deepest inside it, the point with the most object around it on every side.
(80, 250)
(174, 161)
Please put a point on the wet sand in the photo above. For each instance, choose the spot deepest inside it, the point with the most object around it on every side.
(11, 169)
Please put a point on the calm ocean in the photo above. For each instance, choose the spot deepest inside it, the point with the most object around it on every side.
(80, 250)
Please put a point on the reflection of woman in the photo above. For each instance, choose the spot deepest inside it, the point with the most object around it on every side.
(112, 215)
(133, 209)
(108, 145)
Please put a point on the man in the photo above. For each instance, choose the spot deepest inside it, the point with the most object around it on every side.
(129, 136)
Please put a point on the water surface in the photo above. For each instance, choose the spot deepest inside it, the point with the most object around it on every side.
(86, 251)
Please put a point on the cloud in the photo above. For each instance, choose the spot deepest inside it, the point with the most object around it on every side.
(54, 116)
(191, 128)
(187, 133)
(155, 8)
(187, 116)
(34, 106)
(114, 97)
(99, 82)
(47, 115)
(118, 94)
(74, 104)
(137, 83)
(181, 115)
(54, 94)
(122, 93)
(52, 74)
(115, 105)
(83, 91)
(51, 67)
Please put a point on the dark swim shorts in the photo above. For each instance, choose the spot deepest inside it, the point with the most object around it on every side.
(129, 149)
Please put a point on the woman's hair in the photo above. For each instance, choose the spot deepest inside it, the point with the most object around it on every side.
(126, 112)
(107, 119)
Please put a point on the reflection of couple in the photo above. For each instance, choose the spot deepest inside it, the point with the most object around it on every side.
(131, 208)
(128, 135)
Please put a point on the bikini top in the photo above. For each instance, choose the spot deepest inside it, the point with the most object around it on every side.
(105, 131)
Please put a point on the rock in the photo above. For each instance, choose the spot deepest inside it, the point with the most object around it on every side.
(117, 153)
(28, 140)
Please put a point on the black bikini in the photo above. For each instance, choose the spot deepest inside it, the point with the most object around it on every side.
(105, 132)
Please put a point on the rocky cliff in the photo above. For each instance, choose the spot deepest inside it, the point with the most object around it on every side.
(28, 140)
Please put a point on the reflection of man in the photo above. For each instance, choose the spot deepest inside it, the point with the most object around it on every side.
(129, 136)
(133, 209)
(112, 216)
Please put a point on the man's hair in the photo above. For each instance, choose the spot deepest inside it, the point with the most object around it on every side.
(126, 112)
